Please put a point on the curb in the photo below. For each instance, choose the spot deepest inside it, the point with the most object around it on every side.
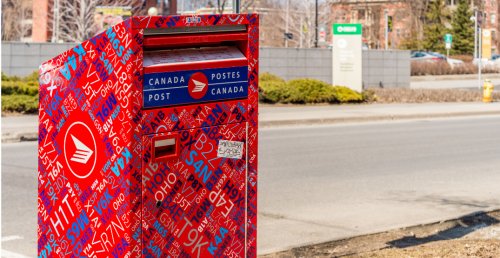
(19, 137)
(33, 136)
(338, 120)
(476, 218)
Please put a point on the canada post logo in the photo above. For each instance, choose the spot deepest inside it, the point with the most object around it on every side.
(80, 150)
(198, 85)
(195, 86)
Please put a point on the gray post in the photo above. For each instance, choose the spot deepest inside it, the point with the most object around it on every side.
(236, 6)
(286, 22)
(475, 33)
(386, 30)
(316, 27)
(479, 54)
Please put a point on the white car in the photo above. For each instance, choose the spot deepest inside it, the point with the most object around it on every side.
(451, 61)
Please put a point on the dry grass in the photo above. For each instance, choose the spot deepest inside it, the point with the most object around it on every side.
(443, 68)
(399, 95)
(451, 248)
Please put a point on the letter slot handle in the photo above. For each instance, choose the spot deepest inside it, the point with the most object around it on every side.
(165, 147)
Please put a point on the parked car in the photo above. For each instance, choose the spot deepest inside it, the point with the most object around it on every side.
(424, 56)
(494, 62)
(451, 61)
(434, 56)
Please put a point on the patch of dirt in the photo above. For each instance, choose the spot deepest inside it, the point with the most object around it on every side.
(451, 248)
(475, 235)
(402, 95)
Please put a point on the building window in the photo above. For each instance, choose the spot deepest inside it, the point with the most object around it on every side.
(361, 14)
(493, 18)
(450, 2)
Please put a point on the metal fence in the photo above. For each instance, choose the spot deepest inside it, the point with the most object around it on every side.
(380, 68)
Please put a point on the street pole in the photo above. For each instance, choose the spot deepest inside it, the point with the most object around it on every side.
(479, 54)
(236, 6)
(286, 22)
(475, 33)
(301, 31)
(386, 30)
(55, 25)
(316, 27)
(172, 8)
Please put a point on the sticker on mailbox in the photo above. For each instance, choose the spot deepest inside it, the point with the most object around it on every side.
(230, 149)
(195, 86)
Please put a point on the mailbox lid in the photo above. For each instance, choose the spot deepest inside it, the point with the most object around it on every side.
(195, 201)
(179, 59)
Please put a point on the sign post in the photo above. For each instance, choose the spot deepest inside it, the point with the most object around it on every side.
(347, 57)
(448, 39)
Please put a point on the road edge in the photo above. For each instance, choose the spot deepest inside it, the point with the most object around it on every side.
(339, 120)
(319, 244)
(33, 136)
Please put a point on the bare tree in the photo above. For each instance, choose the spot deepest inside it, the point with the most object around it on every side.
(74, 20)
(220, 6)
(247, 6)
(417, 13)
(298, 19)
(15, 14)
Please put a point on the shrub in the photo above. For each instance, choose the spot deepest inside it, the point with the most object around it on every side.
(263, 77)
(9, 78)
(466, 68)
(309, 91)
(404, 95)
(419, 68)
(20, 94)
(19, 87)
(304, 91)
(369, 96)
(272, 91)
(20, 103)
(345, 95)
(430, 68)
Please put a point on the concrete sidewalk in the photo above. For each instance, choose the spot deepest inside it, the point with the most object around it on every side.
(19, 128)
(293, 114)
(24, 128)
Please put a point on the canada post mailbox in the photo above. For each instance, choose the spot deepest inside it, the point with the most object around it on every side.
(148, 141)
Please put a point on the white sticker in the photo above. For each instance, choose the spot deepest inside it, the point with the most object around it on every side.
(230, 149)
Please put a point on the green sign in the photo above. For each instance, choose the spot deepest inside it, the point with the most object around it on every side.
(347, 29)
(448, 38)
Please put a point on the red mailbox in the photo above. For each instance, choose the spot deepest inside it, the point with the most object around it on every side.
(148, 141)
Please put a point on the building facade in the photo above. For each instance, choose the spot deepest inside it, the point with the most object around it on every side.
(374, 14)
(404, 18)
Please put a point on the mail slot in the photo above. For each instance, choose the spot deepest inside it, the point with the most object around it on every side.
(148, 141)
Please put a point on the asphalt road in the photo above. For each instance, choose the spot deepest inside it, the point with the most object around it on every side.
(322, 183)
(326, 182)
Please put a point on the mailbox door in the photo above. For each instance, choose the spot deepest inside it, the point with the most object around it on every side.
(194, 192)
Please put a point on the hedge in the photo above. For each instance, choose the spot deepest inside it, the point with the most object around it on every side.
(20, 94)
(274, 89)
(20, 103)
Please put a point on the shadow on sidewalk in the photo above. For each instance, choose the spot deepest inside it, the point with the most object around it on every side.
(465, 225)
